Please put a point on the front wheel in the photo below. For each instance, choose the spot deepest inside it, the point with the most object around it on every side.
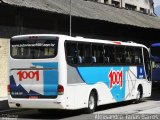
(92, 103)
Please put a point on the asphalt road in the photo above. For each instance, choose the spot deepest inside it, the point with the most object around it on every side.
(147, 106)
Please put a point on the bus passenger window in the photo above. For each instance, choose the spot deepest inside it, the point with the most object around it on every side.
(87, 54)
(119, 54)
(94, 52)
(97, 53)
(80, 53)
(100, 53)
(129, 55)
(71, 50)
(138, 56)
(79, 59)
(109, 56)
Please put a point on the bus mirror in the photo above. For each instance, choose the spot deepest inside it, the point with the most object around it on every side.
(153, 64)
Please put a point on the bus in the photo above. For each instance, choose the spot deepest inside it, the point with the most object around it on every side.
(50, 71)
(155, 59)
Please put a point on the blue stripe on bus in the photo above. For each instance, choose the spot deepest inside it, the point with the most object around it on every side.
(50, 78)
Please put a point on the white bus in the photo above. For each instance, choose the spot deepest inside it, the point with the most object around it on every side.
(62, 72)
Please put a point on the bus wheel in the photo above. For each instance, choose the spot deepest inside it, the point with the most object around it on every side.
(138, 96)
(92, 103)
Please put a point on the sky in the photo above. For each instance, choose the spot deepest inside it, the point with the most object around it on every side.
(157, 7)
(156, 2)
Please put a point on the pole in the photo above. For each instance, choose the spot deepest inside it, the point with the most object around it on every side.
(121, 4)
(70, 19)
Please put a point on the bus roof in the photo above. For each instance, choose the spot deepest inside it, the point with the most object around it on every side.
(79, 38)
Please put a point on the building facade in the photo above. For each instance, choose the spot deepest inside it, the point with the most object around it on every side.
(144, 6)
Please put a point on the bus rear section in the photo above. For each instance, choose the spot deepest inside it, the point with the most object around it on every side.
(155, 58)
(33, 72)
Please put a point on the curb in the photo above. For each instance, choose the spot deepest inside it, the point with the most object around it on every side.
(4, 104)
(9, 111)
(4, 107)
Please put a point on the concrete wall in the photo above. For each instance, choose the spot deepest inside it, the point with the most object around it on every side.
(4, 73)
(3, 68)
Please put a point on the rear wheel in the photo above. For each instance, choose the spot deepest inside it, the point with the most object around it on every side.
(138, 96)
(92, 103)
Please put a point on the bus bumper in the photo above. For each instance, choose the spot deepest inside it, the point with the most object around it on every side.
(36, 103)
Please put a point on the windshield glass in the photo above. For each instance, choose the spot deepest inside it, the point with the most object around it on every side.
(34, 49)
(155, 51)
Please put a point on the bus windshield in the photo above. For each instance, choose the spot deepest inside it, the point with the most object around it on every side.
(155, 51)
(33, 49)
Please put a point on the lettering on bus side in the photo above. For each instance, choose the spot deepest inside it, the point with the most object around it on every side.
(23, 75)
(115, 78)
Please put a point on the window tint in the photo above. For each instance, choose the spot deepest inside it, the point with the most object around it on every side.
(109, 54)
(119, 51)
(83, 53)
(138, 58)
(78, 53)
(129, 55)
(97, 53)
(37, 49)
(87, 53)
(71, 50)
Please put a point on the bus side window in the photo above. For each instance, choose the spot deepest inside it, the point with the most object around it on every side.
(138, 56)
(109, 54)
(87, 53)
(97, 53)
(129, 55)
(119, 54)
(94, 52)
(80, 53)
(100, 54)
(71, 52)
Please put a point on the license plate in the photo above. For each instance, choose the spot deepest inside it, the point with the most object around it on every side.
(33, 97)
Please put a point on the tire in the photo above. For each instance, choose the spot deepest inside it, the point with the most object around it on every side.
(138, 96)
(92, 103)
